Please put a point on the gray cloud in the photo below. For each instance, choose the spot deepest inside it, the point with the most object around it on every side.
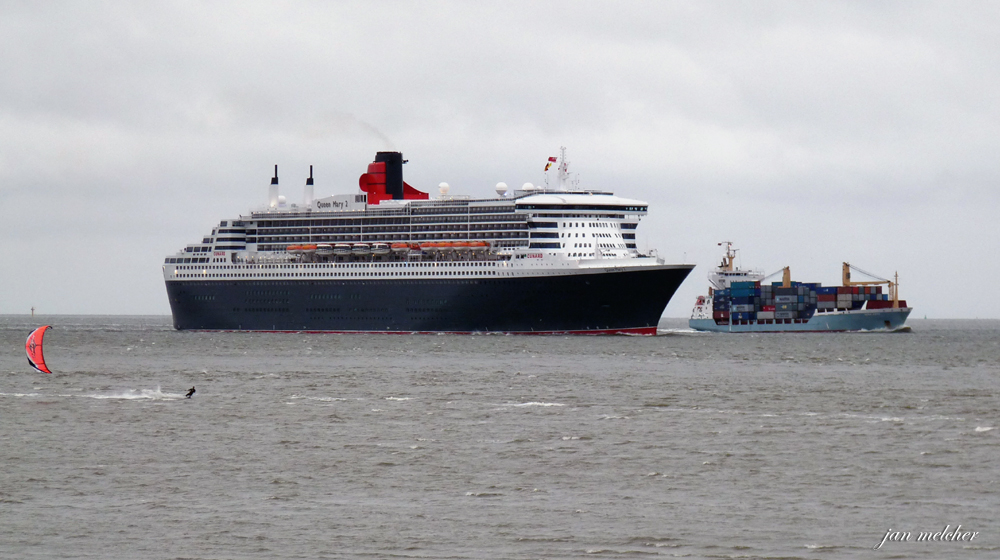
(808, 133)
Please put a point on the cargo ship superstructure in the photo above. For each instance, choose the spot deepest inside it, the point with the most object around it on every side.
(391, 259)
(740, 300)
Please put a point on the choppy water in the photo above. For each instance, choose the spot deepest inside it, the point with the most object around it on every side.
(337, 446)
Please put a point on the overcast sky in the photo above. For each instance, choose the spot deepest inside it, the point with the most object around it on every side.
(807, 133)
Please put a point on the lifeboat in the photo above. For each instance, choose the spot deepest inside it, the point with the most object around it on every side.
(400, 247)
(324, 249)
(479, 245)
(294, 249)
(342, 249)
(429, 246)
(309, 248)
(361, 249)
(380, 248)
(462, 245)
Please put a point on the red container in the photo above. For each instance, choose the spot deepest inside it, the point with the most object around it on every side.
(767, 308)
(826, 297)
(720, 315)
(843, 289)
(879, 304)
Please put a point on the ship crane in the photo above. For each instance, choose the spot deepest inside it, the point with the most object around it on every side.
(786, 278)
(893, 285)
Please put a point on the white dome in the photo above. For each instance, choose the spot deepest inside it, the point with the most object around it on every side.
(501, 188)
(443, 188)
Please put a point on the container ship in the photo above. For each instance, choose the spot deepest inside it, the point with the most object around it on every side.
(389, 258)
(740, 301)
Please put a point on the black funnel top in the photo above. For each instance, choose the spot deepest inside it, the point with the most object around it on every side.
(393, 173)
(309, 181)
(274, 180)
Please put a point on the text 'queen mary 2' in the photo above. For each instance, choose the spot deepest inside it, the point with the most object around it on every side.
(390, 259)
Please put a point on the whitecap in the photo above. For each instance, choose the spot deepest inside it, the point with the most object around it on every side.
(537, 404)
(984, 428)
(137, 394)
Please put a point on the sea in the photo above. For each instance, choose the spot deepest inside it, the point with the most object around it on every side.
(681, 445)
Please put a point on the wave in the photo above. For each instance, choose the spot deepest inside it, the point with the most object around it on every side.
(320, 399)
(134, 394)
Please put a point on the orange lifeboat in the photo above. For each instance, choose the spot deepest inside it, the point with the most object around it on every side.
(295, 249)
(400, 247)
(308, 248)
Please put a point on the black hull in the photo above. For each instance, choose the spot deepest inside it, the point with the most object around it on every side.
(601, 302)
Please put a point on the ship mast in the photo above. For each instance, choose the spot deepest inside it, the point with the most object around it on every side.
(727, 260)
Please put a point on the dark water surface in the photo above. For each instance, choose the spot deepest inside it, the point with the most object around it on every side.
(379, 446)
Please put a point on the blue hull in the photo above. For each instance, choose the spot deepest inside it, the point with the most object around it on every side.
(861, 320)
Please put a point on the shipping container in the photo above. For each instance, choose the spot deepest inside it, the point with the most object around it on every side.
(786, 314)
(762, 315)
(767, 308)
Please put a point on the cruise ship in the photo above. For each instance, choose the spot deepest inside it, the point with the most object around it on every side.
(389, 258)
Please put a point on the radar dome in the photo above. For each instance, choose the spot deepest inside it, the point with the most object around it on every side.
(527, 187)
(501, 188)
(281, 200)
(443, 189)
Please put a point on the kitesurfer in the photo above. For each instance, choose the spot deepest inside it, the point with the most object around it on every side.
(189, 393)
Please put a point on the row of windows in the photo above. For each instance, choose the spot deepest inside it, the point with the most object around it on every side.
(338, 274)
(609, 208)
(388, 238)
(415, 229)
(342, 265)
